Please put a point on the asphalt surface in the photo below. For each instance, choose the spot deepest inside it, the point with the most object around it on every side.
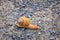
(43, 13)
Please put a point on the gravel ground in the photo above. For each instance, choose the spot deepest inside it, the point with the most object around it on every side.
(44, 13)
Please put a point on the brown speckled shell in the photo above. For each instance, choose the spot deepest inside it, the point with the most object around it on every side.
(23, 21)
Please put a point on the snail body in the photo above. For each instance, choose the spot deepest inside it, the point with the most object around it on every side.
(25, 22)
(33, 27)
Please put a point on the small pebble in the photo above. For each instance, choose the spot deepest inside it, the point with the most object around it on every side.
(52, 38)
(39, 33)
(52, 34)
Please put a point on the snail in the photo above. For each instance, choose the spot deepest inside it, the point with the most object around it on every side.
(25, 23)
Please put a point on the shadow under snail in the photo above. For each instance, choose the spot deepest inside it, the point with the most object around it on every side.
(25, 23)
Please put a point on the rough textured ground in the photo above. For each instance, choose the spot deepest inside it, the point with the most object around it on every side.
(44, 13)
